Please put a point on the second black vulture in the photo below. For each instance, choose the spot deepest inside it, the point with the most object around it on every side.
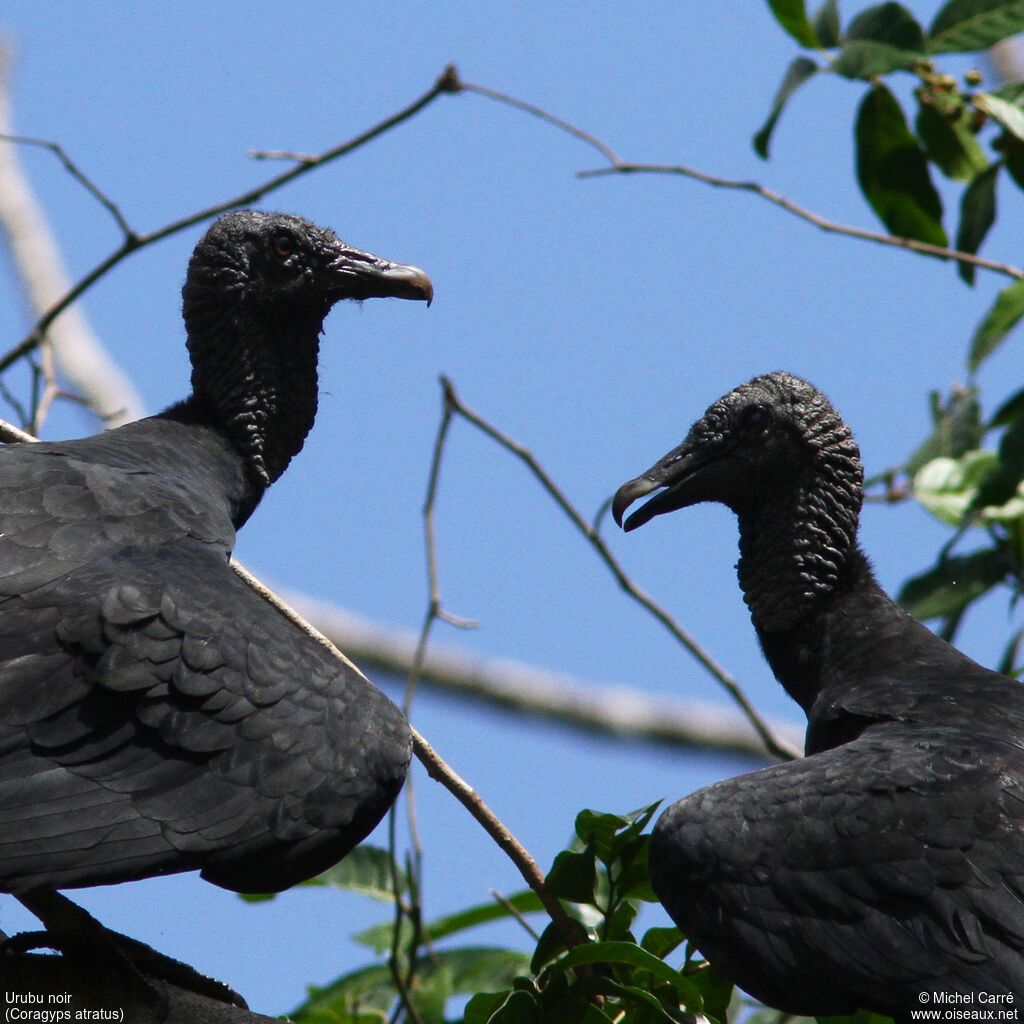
(884, 871)
(156, 715)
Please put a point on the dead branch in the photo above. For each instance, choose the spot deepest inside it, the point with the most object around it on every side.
(619, 166)
(441, 772)
(132, 241)
(589, 531)
(81, 356)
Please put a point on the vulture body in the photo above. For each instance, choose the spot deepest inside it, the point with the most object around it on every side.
(886, 866)
(156, 715)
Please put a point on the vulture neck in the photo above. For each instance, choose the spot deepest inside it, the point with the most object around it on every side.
(811, 592)
(254, 378)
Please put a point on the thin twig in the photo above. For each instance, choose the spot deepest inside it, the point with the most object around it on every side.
(529, 108)
(282, 154)
(79, 176)
(619, 166)
(44, 278)
(9, 432)
(820, 222)
(733, 688)
(507, 904)
(446, 83)
(41, 403)
(571, 931)
(438, 770)
(435, 608)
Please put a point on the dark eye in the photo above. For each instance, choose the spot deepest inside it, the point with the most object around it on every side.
(284, 245)
(755, 419)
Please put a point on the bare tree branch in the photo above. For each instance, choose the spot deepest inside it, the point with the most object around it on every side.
(438, 770)
(446, 83)
(572, 931)
(619, 166)
(591, 534)
(92, 373)
(829, 226)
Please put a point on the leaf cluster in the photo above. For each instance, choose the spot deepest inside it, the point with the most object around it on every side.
(976, 491)
(602, 879)
(895, 159)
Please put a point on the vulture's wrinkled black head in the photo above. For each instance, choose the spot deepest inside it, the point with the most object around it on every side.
(776, 453)
(258, 288)
(770, 436)
(273, 263)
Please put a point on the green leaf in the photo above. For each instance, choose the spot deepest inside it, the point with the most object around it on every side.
(617, 925)
(981, 483)
(661, 941)
(888, 23)
(949, 587)
(826, 24)
(477, 968)
(633, 956)
(370, 988)
(880, 39)
(963, 26)
(946, 487)
(440, 976)
(1013, 157)
(595, 985)
(519, 1008)
(367, 870)
(893, 172)
(1009, 115)
(957, 429)
(977, 215)
(949, 140)
(607, 834)
(864, 60)
(1008, 662)
(792, 16)
(798, 72)
(715, 989)
(998, 495)
(549, 945)
(633, 876)
(1010, 410)
(997, 324)
(573, 876)
(482, 1006)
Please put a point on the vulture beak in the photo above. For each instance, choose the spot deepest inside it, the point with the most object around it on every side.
(687, 476)
(354, 274)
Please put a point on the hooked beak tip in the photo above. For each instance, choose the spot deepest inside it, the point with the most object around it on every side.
(626, 495)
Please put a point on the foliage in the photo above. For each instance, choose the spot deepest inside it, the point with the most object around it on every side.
(976, 491)
(602, 880)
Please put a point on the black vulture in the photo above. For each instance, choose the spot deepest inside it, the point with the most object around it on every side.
(156, 715)
(884, 871)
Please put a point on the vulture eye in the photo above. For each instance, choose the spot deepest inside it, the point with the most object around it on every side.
(284, 245)
(755, 419)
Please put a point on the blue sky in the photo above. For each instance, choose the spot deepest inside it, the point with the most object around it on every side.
(593, 320)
